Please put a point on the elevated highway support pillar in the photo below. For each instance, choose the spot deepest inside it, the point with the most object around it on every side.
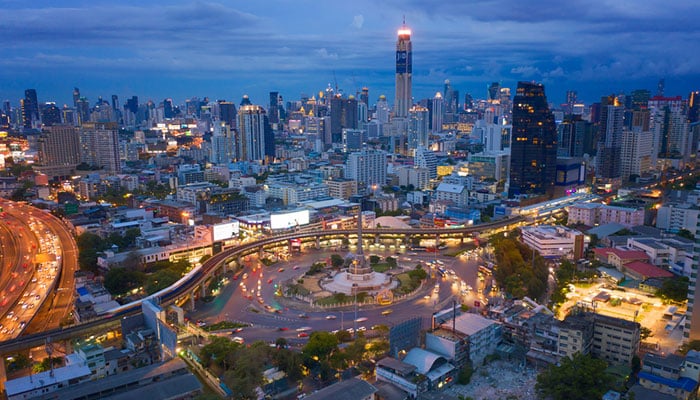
(376, 238)
(203, 289)
(318, 243)
(192, 300)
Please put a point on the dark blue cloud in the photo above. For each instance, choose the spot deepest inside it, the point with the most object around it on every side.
(225, 49)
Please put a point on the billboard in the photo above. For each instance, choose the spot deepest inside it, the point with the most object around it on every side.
(225, 231)
(289, 220)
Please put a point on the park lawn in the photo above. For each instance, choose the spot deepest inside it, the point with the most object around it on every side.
(381, 267)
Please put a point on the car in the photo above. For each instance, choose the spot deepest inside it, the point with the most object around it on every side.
(361, 319)
(238, 339)
(387, 312)
(245, 276)
(350, 330)
(269, 281)
(282, 328)
(302, 335)
(261, 301)
(361, 329)
(201, 323)
(303, 315)
(427, 297)
(296, 267)
(304, 329)
(280, 270)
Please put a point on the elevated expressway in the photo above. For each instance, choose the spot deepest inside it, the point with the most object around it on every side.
(197, 279)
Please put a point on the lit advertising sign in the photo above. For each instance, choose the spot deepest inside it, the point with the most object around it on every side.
(289, 220)
(225, 231)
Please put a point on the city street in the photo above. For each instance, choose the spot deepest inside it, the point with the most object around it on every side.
(231, 304)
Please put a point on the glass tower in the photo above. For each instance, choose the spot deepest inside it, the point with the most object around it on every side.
(534, 142)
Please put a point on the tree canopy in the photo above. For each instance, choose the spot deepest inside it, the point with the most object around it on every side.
(674, 289)
(515, 270)
(579, 378)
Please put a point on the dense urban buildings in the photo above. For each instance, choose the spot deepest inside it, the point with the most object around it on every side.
(605, 193)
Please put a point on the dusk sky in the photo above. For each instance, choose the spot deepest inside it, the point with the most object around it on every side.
(180, 49)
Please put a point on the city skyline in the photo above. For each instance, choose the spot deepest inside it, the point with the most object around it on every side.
(222, 51)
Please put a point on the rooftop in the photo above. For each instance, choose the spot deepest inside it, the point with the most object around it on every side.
(685, 384)
(400, 367)
(423, 360)
(351, 389)
(469, 324)
(648, 270)
(43, 379)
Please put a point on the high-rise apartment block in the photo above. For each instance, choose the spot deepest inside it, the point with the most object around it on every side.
(251, 133)
(367, 168)
(59, 150)
(418, 126)
(608, 159)
(99, 145)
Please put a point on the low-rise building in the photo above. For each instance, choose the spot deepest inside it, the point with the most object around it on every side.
(593, 214)
(351, 389)
(472, 339)
(555, 241)
(401, 374)
(614, 340)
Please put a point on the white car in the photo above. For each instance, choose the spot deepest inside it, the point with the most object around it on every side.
(331, 316)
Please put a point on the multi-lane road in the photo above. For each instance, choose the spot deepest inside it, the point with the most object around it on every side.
(39, 259)
(271, 318)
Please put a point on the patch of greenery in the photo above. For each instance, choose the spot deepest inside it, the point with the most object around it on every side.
(224, 325)
(381, 267)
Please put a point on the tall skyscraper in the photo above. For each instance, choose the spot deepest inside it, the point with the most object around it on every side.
(50, 114)
(273, 111)
(343, 116)
(223, 144)
(59, 150)
(669, 122)
(30, 109)
(227, 112)
(364, 96)
(404, 72)
(251, 133)
(76, 97)
(608, 158)
(534, 142)
(418, 126)
(437, 111)
(99, 145)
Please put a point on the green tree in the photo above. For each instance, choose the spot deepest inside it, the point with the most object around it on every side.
(374, 259)
(674, 289)
(337, 260)
(320, 345)
(692, 345)
(465, 375)
(89, 245)
(391, 261)
(581, 377)
(120, 280)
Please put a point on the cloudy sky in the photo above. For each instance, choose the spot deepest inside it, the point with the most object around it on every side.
(224, 49)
